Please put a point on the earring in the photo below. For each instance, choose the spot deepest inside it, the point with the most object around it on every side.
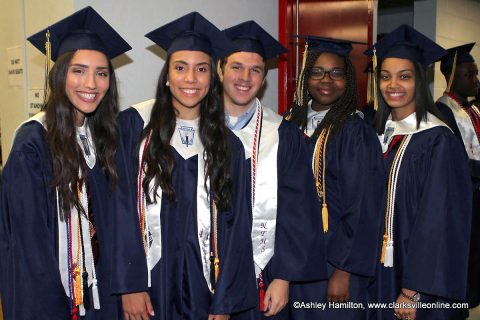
(167, 83)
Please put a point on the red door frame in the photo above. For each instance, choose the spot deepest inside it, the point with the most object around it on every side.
(356, 24)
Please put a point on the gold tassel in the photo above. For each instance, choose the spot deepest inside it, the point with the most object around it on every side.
(48, 58)
(369, 88)
(300, 79)
(375, 79)
(217, 268)
(384, 248)
(325, 217)
(452, 74)
(78, 286)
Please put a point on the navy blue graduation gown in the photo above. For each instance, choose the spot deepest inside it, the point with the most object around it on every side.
(179, 289)
(31, 286)
(473, 294)
(431, 225)
(299, 247)
(354, 175)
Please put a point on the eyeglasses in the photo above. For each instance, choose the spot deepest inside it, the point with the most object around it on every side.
(334, 74)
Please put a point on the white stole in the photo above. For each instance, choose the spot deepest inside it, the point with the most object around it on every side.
(63, 255)
(407, 126)
(153, 216)
(265, 206)
(465, 125)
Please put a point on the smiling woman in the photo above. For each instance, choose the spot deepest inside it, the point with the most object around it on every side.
(88, 80)
(64, 186)
(189, 76)
(191, 193)
(429, 190)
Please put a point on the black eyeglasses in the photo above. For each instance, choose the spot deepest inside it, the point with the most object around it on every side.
(334, 74)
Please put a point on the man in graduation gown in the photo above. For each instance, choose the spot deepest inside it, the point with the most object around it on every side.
(461, 72)
(285, 212)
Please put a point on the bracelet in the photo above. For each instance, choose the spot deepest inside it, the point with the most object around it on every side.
(414, 298)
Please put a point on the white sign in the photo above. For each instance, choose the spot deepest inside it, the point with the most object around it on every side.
(15, 66)
(35, 100)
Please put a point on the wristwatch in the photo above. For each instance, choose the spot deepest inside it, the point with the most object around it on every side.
(414, 298)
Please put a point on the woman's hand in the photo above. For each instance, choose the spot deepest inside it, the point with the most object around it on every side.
(137, 306)
(276, 297)
(339, 286)
(406, 313)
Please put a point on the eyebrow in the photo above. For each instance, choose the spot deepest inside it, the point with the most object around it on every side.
(185, 62)
(86, 66)
(253, 66)
(411, 70)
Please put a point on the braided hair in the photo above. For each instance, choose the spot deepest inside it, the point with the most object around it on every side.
(340, 111)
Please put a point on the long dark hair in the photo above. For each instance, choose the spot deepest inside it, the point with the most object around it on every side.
(423, 100)
(67, 156)
(160, 159)
(340, 111)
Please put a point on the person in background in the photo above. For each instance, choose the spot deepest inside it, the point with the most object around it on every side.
(463, 117)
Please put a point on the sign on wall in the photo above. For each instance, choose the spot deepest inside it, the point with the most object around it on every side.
(15, 66)
(35, 100)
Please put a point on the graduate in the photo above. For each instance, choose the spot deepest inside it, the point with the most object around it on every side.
(463, 117)
(191, 181)
(346, 161)
(286, 246)
(65, 189)
(428, 197)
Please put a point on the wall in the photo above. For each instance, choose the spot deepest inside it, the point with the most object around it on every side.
(22, 18)
(138, 70)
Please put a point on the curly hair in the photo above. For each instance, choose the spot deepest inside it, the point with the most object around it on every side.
(340, 111)
(160, 159)
(69, 167)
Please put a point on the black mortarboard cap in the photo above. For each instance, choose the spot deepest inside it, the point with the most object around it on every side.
(251, 37)
(463, 55)
(407, 43)
(323, 44)
(85, 29)
(192, 32)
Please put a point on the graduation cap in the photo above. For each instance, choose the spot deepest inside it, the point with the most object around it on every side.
(454, 57)
(251, 37)
(462, 54)
(85, 29)
(407, 43)
(340, 47)
(192, 32)
(324, 44)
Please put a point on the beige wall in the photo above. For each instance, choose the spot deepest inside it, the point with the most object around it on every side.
(458, 22)
(18, 20)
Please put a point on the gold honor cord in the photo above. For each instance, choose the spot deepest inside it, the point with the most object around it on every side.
(320, 180)
(452, 74)
(375, 79)
(48, 58)
(301, 80)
